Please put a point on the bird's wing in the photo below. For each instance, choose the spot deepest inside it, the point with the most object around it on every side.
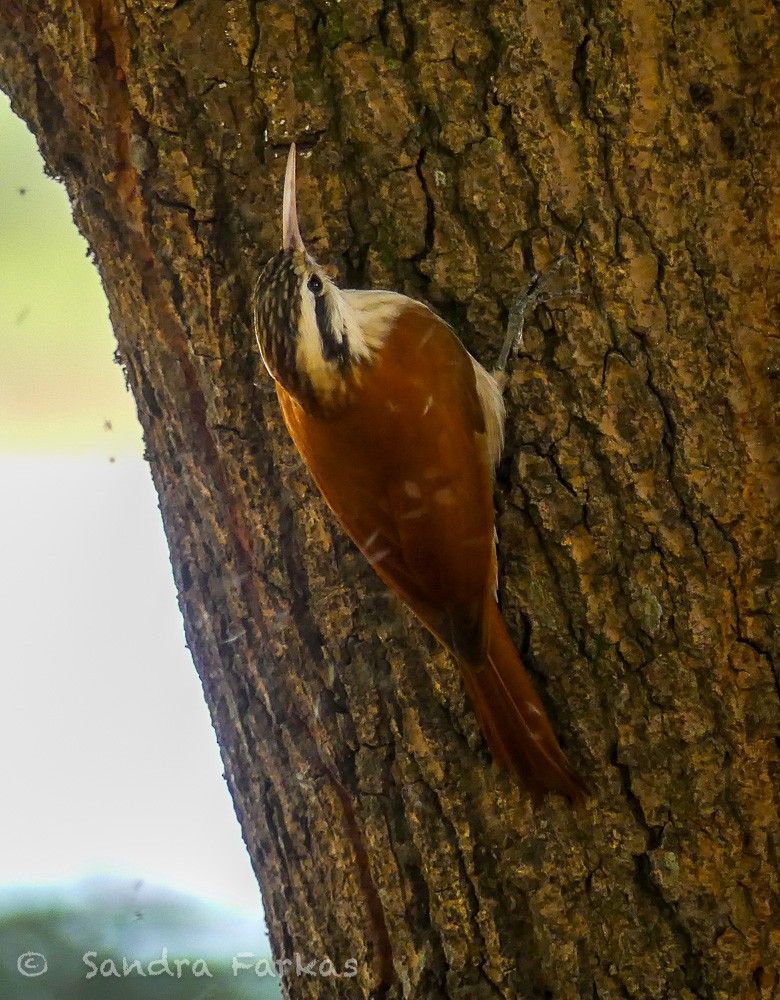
(405, 466)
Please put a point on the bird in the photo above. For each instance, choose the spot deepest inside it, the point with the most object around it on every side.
(401, 430)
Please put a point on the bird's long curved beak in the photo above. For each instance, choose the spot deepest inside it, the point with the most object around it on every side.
(291, 234)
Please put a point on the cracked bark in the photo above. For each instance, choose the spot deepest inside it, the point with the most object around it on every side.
(455, 149)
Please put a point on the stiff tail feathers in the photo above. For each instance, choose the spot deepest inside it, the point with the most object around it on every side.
(514, 721)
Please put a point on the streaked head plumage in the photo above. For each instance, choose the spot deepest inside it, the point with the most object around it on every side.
(297, 321)
(312, 335)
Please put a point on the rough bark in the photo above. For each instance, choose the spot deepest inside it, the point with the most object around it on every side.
(455, 148)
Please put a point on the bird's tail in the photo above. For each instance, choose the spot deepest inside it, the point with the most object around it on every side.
(514, 721)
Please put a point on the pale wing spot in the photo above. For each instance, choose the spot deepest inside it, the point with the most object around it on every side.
(412, 515)
(428, 405)
(378, 556)
(412, 490)
(537, 737)
(444, 497)
(371, 539)
(426, 336)
(532, 709)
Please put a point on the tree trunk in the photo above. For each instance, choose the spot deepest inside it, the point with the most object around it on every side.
(455, 148)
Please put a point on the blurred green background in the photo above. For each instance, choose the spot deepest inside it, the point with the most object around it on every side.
(57, 384)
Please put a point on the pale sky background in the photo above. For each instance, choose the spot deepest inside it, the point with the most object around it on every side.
(108, 762)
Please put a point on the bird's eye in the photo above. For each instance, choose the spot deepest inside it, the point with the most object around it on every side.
(315, 284)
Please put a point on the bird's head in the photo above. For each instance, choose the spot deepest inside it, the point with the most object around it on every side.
(309, 332)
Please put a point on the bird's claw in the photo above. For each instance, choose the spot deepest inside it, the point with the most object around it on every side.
(535, 295)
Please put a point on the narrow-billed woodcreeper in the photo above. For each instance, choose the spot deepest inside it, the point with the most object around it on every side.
(401, 430)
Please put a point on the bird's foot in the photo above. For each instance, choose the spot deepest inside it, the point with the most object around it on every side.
(536, 293)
